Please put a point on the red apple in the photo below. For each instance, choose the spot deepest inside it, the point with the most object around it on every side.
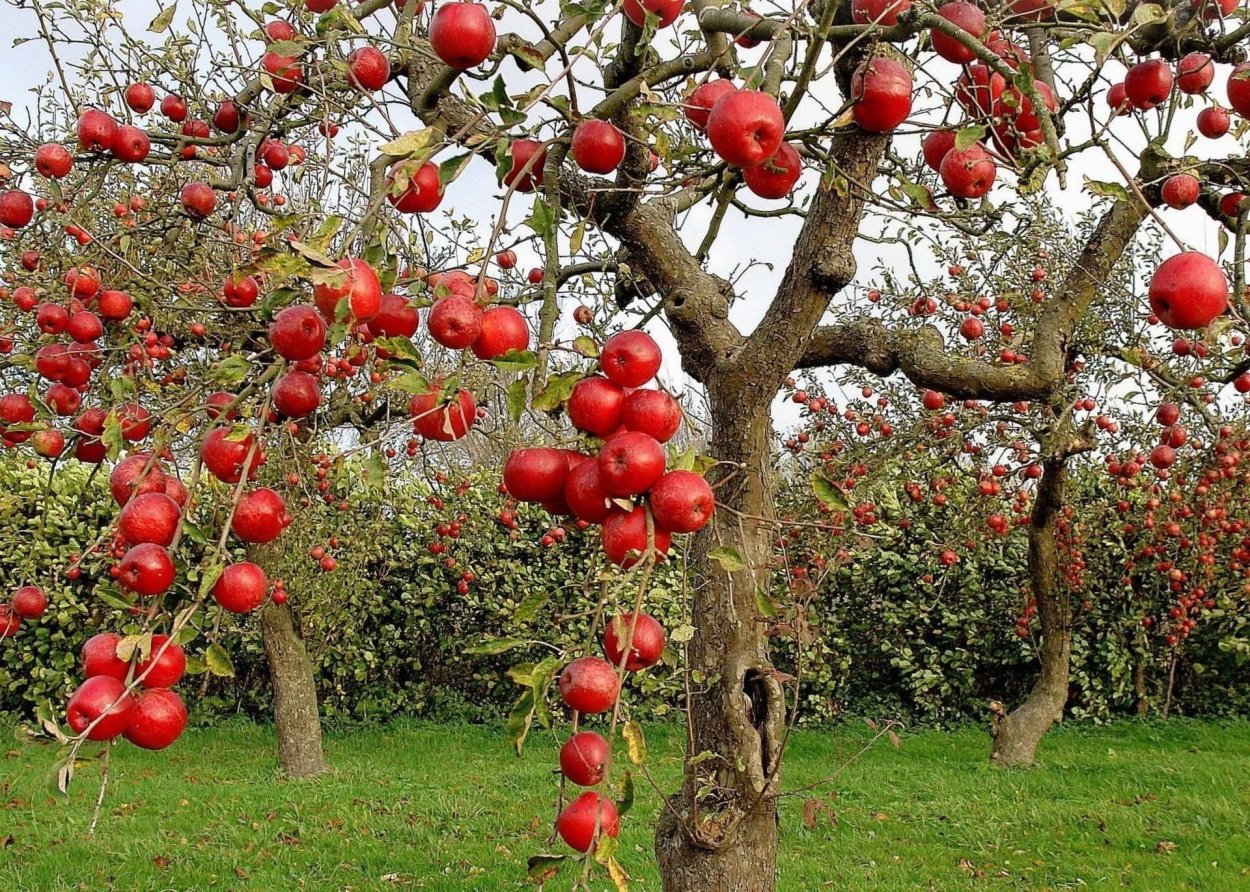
(528, 158)
(139, 98)
(624, 537)
(285, 72)
(746, 127)
(101, 701)
(360, 286)
(935, 147)
(423, 192)
(462, 34)
(682, 502)
(157, 720)
(131, 145)
(968, 174)
(150, 517)
(965, 16)
(99, 657)
(646, 648)
(1148, 83)
(598, 147)
(775, 178)
(881, 92)
(368, 68)
(589, 685)
(198, 199)
(441, 417)
(297, 332)
(17, 208)
(29, 602)
(1180, 191)
(698, 105)
(652, 412)
(1194, 73)
(664, 10)
(584, 493)
(630, 358)
(455, 322)
(96, 130)
(576, 824)
(396, 319)
(536, 474)
(1213, 122)
(241, 587)
(630, 463)
(503, 330)
(296, 395)
(147, 569)
(53, 160)
(878, 12)
(260, 516)
(165, 665)
(1188, 291)
(584, 759)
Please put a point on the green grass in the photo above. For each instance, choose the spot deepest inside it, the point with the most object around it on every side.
(1130, 806)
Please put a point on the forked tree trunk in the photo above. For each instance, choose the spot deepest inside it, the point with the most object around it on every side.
(726, 839)
(296, 719)
(1017, 736)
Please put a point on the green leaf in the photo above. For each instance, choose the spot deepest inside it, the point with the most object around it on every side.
(491, 647)
(969, 137)
(163, 19)
(765, 604)
(586, 346)
(542, 219)
(516, 361)
(626, 802)
(412, 144)
(218, 661)
(1149, 14)
(682, 633)
(208, 578)
(531, 604)
(232, 370)
(401, 349)
(543, 868)
(1108, 190)
(196, 666)
(451, 169)
(729, 558)
(520, 719)
(517, 394)
(556, 392)
(112, 597)
(827, 492)
(411, 382)
(373, 472)
(635, 743)
(112, 436)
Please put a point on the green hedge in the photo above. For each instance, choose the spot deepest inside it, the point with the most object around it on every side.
(388, 629)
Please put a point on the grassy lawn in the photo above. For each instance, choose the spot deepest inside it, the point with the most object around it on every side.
(1131, 806)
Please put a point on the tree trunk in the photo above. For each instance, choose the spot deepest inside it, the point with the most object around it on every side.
(720, 834)
(295, 716)
(1017, 736)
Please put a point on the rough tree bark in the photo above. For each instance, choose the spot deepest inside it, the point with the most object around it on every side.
(1017, 735)
(295, 715)
(727, 841)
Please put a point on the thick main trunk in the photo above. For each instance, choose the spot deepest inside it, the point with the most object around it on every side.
(1016, 737)
(295, 715)
(725, 840)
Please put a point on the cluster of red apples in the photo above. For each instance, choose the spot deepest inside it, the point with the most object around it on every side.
(626, 488)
